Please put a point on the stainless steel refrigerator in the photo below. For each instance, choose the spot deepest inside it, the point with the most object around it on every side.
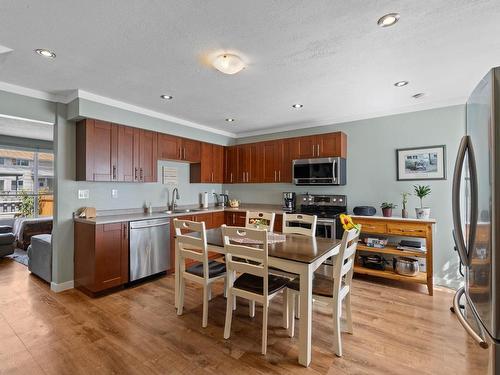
(476, 218)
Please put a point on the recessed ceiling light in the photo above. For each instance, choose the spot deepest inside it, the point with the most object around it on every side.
(45, 53)
(228, 63)
(166, 97)
(388, 20)
(230, 119)
(297, 106)
(418, 96)
(401, 83)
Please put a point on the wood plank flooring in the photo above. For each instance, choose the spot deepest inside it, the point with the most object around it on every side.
(136, 331)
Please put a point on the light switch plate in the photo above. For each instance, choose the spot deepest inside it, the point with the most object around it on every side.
(83, 194)
(114, 193)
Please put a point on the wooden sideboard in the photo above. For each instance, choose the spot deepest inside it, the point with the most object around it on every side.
(392, 227)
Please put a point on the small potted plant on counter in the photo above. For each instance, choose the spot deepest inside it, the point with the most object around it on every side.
(404, 211)
(421, 191)
(387, 209)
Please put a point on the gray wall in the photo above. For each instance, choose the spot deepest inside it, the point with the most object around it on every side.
(371, 171)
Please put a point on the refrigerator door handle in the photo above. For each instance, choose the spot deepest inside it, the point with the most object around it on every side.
(473, 199)
(458, 234)
(458, 312)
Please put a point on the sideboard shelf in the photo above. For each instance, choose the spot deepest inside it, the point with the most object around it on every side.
(398, 227)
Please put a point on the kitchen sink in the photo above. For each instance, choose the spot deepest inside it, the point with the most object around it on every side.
(184, 211)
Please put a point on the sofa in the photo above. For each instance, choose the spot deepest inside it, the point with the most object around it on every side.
(27, 227)
(40, 256)
(7, 240)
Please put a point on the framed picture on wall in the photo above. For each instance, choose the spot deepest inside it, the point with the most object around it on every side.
(421, 163)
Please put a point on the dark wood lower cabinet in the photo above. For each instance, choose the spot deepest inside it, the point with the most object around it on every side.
(101, 256)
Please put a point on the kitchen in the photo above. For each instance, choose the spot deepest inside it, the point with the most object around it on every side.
(163, 139)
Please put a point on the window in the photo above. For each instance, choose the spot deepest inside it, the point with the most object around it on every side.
(21, 162)
(27, 183)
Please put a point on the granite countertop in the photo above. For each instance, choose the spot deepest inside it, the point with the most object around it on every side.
(117, 216)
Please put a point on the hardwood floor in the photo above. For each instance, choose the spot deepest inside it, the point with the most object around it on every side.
(136, 331)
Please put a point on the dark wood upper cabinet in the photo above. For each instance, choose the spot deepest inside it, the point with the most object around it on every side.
(230, 164)
(272, 157)
(95, 150)
(244, 161)
(148, 158)
(111, 152)
(127, 154)
(211, 165)
(101, 256)
(169, 147)
(320, 146)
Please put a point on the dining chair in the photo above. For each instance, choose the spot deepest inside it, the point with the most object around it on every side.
(255, 283)
(203, 272)
(268, 216)
(331, 290)
(309, 220)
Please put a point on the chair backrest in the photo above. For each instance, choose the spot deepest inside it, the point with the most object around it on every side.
(343, 268)
(192, 247)
(309, 220)
(256, 251)
(251, 216)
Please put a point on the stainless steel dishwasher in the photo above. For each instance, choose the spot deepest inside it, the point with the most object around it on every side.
(149, 247)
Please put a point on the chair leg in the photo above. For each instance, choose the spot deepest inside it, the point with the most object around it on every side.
(337, 339)
(264, 328)
(206, 298)
(348, 313)
(285, 308)
(209, 286)
(182, 286)
(225, 287)
(291, 313)
(229, 315)
(297, 306)
(234, 303)
(251, 308)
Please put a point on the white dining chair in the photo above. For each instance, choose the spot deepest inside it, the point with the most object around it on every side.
(202, 272)
(331, 290)
(301, 220)
(268, 216)
(255, 283)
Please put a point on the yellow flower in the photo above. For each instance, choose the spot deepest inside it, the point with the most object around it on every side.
(347, 222)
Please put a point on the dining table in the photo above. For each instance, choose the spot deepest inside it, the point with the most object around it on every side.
(297, 254)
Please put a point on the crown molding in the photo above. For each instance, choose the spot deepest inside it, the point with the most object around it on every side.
(32, 93)
(81, 94)
(366, 116)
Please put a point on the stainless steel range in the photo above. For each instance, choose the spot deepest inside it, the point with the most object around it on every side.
(327, 208)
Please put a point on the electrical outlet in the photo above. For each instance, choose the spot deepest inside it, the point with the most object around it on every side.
(83, 194)
(114, 193)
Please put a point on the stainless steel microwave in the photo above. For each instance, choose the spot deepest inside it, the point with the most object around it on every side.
(321, 171)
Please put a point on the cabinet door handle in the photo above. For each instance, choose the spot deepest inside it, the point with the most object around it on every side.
(180, 153)
(318, 149)
(141, 174)
(231, 180)
(135, 174)
(212, 176)
(279, 175)
(184, 157)
(114, 172)
(274, 176)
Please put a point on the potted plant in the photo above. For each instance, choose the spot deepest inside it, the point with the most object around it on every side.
(387, 209)
(404, 211)
(421, 191)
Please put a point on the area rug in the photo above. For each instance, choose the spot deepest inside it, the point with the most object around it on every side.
(20, 256)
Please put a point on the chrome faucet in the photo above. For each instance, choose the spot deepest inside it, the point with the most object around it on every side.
(217, 201)
(175, 196)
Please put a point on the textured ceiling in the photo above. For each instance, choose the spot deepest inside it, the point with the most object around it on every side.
(328, 55)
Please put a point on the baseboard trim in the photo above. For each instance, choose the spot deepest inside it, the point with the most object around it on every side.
(62, 286)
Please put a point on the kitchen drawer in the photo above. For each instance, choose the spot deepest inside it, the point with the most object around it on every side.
(412, 230)
(371, 226)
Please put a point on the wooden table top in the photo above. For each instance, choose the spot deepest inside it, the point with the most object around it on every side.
(297, 248)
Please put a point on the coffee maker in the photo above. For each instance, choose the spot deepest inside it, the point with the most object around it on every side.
(289, 201)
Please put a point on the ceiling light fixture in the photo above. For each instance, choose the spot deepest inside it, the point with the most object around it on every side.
(388, 20)
(401, 83)
(230, 119)
(166, 97)
(297, 106)
(418, 96)
(45, 53)
(228, 63)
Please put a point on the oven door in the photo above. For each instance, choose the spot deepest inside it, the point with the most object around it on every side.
(326, 228)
